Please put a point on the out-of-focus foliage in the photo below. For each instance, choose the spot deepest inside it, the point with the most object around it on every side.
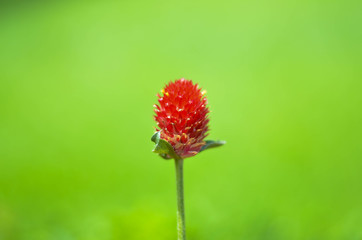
(77, 83)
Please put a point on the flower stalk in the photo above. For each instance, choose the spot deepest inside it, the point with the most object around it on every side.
(181, 226)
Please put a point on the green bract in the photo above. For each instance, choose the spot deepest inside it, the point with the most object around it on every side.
(162, 147)
(212, 144)
(166, 151)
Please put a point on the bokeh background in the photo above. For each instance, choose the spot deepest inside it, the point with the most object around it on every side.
(77, 83)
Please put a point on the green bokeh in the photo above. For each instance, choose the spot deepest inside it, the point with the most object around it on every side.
(77, 85)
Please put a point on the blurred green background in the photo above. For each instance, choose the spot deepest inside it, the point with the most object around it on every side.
(77, 83)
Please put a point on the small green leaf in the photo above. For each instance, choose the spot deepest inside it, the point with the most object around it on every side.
(156, 136)
(165, 156)
(162, 147)
(212, 144)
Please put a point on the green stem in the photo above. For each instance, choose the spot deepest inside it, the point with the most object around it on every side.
(181, 228)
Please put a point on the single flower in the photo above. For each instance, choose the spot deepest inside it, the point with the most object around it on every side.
(182, 117)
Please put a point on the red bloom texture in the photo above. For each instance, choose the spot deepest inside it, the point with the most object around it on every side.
(182, 117)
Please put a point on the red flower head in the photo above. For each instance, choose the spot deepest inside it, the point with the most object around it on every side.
(182, 118)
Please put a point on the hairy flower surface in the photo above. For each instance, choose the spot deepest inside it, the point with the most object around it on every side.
(181, 116)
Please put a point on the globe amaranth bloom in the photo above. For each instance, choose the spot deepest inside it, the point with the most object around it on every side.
(182, 117)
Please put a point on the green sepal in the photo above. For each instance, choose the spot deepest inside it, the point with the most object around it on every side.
(162, 147)
(212, 144)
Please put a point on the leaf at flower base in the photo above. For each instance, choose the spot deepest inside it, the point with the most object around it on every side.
(164, 156)
(212, 144)
(162, 147)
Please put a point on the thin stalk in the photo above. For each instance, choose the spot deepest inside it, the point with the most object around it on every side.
(181, 228)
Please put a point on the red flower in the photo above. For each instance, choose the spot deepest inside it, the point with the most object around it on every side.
(182, 118)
